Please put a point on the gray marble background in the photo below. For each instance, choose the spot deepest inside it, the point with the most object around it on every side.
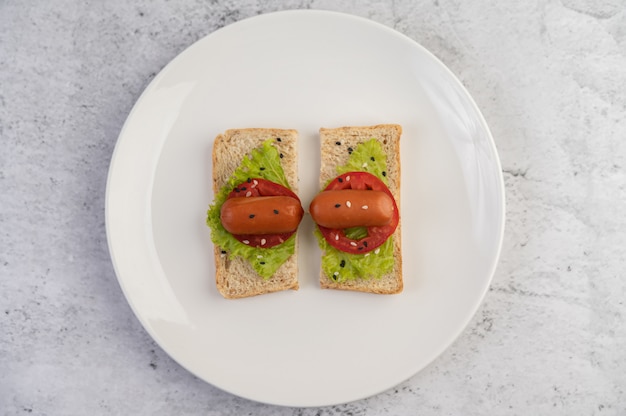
(550, 78)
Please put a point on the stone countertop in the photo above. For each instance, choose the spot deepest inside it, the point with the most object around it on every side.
(549, 77)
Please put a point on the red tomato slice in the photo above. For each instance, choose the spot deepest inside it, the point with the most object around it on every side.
(254, 187)
(376, 236)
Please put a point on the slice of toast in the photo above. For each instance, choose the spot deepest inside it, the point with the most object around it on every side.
(333, 155)
(235, 277)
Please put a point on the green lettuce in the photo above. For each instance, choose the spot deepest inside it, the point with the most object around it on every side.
(263, 162)
(368, 157)
(341, 266)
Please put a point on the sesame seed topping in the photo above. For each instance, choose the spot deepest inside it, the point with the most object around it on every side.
(353, 244)
(348, 204)
(281, 155)
(255, 182)
(263, 241)
(350, 150)
(275, 211)
(248, 194)
(262, 168)
(337, 205)
(364, 207)
(249, 180)
(364, 165)
(261, 262)
(366, 254)
(336, 237)
(365, 243)
(246, 242)
(340, 180)
(251, 215)
(223, 251)
(377, 251)
(278, 139)
(237, 189)
(372, 159)
(259, 256)
(348, 178)
(336, 274)
(243, 188)
(281, 240)
(384, 173)
(338, 143)
(342, 264)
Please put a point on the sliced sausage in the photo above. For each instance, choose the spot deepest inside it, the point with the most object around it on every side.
(352, 208)
(261, 215)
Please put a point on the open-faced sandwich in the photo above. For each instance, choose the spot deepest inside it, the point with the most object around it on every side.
(357, 212)
(255, 212)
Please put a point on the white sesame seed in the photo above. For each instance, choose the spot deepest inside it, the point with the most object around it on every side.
(259, 256)
(255, 182)
(348, 178)
(336, 274)
(248, 194)
(348, 204)
(246, 242)
(352, 243)
(222, 254)
(377, 251)
(364, 207)
(366, 254)
(281, 240)
(263, 241)
(336, 237)
(364, 165)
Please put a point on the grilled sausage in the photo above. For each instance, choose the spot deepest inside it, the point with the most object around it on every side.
(261, 215)
(351, 208)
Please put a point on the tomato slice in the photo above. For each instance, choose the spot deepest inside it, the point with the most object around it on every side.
(254, 187)
(376, 236)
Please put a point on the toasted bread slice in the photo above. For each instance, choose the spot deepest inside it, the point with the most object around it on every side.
(334, 155)
(235, 277)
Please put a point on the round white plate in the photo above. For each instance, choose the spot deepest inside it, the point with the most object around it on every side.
(304, 70)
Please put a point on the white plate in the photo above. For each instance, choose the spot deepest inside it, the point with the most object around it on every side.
(304, 70)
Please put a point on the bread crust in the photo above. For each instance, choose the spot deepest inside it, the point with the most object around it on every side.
(334, 155)
(234, 277)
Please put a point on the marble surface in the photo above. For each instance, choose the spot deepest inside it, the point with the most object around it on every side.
(549, 77)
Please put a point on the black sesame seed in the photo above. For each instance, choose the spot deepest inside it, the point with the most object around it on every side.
(223, 251)
(278, 139)
(249, 180)
(360, 248)
(251, 215)
(262, 262)
(350, 150)
(338, 143)
(384, 173)
(342, 264)
(236, 189)
(334, 278)
(337, 205)
(365, 243)
(243, 188)
(340, 180)
(372, 159)
(262, 168)
(281, 155)
(275, 211)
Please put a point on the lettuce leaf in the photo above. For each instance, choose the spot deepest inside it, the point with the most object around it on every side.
(368, 157)
(263, 162)
(341, 266)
